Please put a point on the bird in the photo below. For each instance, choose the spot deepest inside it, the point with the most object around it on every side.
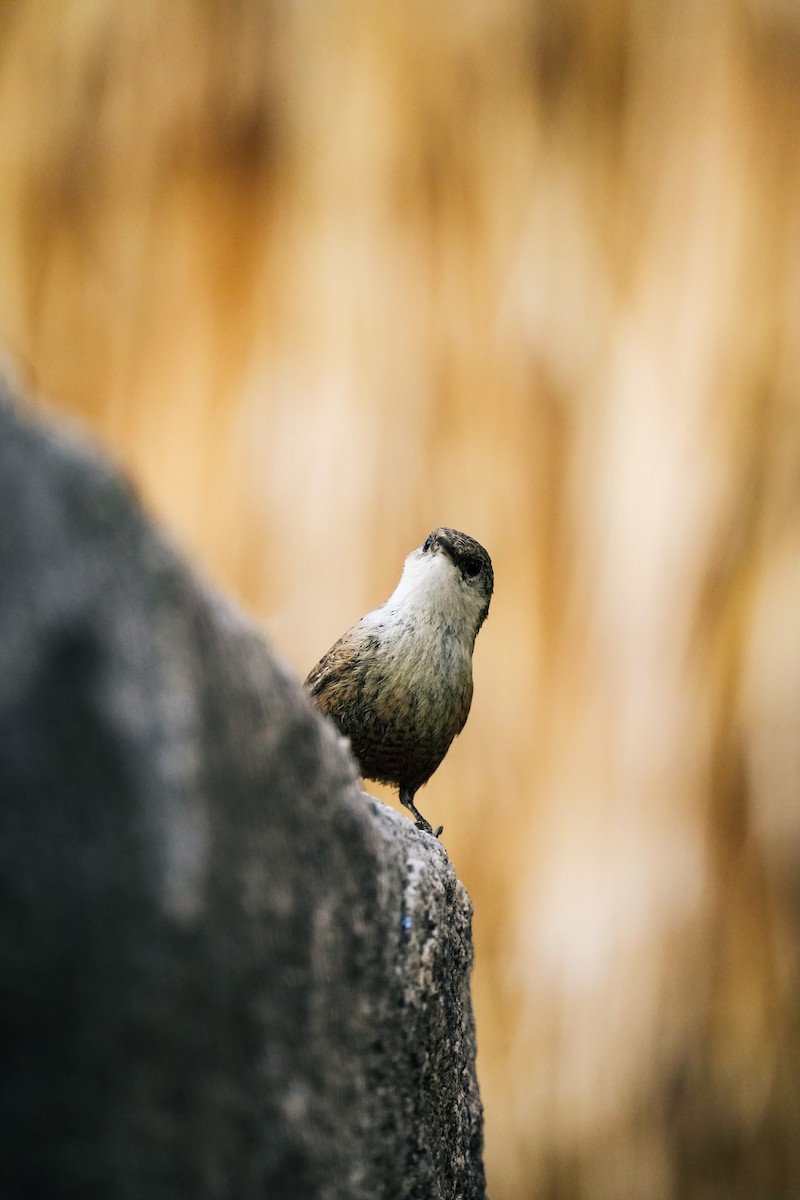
(398, 683)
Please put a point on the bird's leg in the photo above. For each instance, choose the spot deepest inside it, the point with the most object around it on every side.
(407, 800)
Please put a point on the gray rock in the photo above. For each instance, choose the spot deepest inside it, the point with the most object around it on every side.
(224, 972)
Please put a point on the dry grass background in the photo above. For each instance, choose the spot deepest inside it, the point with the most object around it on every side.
(324, 276)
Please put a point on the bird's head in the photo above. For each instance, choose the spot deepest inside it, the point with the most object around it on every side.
(450, 575)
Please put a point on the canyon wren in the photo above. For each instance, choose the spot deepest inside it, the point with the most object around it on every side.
(398, 684)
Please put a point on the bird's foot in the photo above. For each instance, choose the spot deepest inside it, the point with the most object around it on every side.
(426, 827)
(407, 800)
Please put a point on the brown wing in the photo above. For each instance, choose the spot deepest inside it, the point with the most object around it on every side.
(336, 678)
(350, 687)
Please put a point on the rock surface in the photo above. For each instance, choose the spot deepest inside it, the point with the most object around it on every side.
(224, 972)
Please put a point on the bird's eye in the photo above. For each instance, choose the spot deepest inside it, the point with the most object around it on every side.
(472, 567)
(427, 543)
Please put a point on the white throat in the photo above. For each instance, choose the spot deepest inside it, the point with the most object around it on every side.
(432, 596)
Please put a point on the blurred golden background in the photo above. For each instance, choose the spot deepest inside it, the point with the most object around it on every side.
(324, 276)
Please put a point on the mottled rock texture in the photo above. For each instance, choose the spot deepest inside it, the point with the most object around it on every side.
(224, 972)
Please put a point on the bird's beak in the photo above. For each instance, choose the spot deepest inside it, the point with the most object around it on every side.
(447, 546)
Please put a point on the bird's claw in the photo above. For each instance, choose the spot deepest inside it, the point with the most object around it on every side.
(426, 827)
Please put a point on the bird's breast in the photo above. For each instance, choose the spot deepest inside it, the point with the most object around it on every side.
(427, 671)
(404, 697)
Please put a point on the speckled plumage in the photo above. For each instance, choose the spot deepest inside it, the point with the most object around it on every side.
(398, 684)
